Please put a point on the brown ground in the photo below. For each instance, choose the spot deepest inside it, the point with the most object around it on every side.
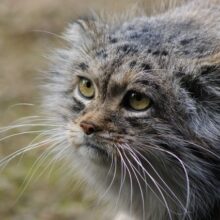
(24, 40)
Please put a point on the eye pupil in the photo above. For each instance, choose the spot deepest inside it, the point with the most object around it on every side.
(88, 84)
(138, 97)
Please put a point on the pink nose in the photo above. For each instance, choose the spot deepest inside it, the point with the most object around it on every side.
(88, 127)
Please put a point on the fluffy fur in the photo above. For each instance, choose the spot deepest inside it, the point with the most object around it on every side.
(158, 164)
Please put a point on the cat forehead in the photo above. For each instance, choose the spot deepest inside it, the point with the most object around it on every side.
(118, 75)
(123, 69)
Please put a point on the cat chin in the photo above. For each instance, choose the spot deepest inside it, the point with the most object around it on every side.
(92, 153)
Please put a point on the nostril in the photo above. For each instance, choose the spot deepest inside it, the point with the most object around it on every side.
(88, 127)
(90, 130)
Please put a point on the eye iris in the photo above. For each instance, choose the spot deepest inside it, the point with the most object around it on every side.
(86, 88)
(138, 101)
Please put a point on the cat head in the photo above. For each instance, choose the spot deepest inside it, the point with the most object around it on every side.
(157, 114)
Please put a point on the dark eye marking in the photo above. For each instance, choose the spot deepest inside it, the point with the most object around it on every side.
(77, 105)
(133, 121)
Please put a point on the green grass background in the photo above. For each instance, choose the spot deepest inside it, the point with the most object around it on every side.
(23, 43)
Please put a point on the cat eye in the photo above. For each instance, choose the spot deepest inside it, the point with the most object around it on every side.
(86, 88)
(137, 101)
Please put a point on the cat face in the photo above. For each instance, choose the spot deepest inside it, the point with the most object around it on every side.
(118, 102)
(118, 105)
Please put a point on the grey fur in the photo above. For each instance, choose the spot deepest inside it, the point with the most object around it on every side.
(173, 58)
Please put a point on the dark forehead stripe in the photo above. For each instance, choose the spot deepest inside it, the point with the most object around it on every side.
(110, 68)
(104, 80)
(116, 89)
(124, 52)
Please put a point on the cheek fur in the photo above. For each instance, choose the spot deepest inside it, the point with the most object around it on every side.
(75, 135)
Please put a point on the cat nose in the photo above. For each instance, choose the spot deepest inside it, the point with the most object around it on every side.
(88, 127)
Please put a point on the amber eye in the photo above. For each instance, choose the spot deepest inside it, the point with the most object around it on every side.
(137, 101)
(86, 88)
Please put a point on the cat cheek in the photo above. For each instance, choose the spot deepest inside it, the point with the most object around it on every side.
(75, 135)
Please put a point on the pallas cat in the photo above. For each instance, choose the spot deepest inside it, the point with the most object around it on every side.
(137, 107)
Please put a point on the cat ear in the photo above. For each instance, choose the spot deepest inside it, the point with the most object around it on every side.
(203, 82)
(209, 72)
(209, 65)
(78, 32)
(82, 32)
(204, 88)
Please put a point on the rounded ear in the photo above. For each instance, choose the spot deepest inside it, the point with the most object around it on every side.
(208, 64)
(209, 73)
(76, 32)
(204, 88)
(203, 81)
(81, 32)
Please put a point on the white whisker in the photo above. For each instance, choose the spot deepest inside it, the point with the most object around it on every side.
(20, 133)
(186, 177)
(112, 181)
(25, 149)
(5, 129)
(138, 181)
(154, 181)
(155, 171)
(130, 178)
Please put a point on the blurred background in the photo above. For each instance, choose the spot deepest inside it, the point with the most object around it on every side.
(28, 32)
